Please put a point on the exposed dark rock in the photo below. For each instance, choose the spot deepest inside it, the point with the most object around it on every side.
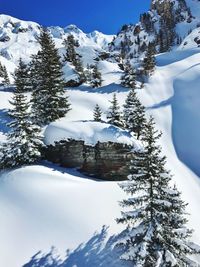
(137, 30)
(197, 40)
(4, 39)
(107, 161)
(72, 83)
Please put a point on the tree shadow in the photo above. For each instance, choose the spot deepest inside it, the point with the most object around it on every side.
(9, 89)
(99, 251)
(108, 89)
(4, 120)
(185, 104)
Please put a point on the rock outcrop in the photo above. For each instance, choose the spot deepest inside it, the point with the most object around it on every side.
(107, 161)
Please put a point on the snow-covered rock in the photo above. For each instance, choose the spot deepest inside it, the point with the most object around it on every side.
(191, 41)
(90, 132)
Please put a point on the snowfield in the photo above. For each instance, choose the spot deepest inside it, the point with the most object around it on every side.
(44, 206)
(172, 97)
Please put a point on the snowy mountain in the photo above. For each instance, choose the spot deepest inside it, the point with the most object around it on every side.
(192, 40)
(18, 39)
(165, 25)
(46, 205)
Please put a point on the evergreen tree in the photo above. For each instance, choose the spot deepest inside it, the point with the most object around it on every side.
(97, 113)
(156, 234)
(22, 77)
(4, 75)
(88, 73)
(74, 58)
(134, 114)
(161, 43)
(149, 60)
(70, 45)
(23, 144)
(48, 99)
(128, 79)
(125, 45)
(96, 79)
(1, 70)
(79, 69)
(114, 114)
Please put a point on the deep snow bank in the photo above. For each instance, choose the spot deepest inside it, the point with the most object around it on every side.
(90, 132)
(43, 207)
(172, 97)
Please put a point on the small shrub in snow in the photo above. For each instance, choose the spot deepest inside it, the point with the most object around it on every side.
(97, 113)
(114, 115)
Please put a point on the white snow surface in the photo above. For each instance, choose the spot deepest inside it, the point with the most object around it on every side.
(44, 206)
(41, 206)
(172, 97)
(191, 41)
(90, 132)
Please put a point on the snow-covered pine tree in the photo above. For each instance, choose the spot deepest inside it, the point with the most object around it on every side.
(149, 60)
(1, 69)
(49, 101)
(128, 79)
(70, 44)
(97, 113)
(78, 64)
(88, 73)
(24, 143)
(134, 114)
(73, 57)
(156, 233)
(114, 115)
(4, 75)
(22, 77)
(96, 78)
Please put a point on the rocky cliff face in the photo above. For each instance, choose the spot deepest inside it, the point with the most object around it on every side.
(165, 25)
(107, 161)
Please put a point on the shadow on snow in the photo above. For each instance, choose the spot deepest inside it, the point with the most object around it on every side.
(99, 251)
(185, 106)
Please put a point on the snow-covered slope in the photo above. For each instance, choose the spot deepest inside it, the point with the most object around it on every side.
(43, 206)
(173, 98)
(19, 39)
(165, 25)
(191, 41)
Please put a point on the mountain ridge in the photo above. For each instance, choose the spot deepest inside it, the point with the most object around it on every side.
(16, 34)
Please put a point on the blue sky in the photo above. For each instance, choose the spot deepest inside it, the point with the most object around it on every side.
(104, 15)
